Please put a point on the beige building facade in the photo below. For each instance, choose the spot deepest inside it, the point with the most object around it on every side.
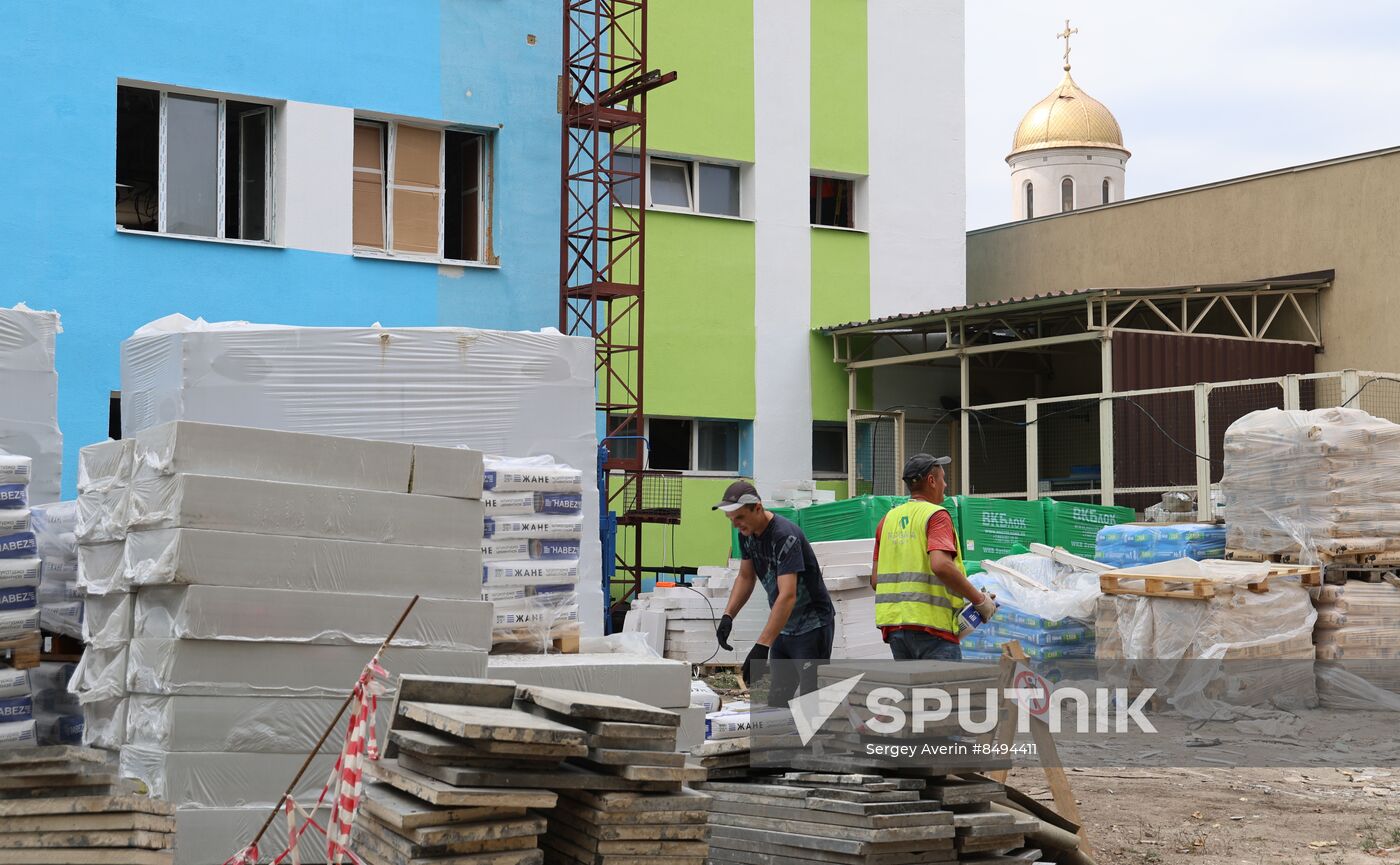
(1341, 215)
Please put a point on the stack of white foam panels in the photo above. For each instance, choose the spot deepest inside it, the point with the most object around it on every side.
(239, 580)
(680, 620)
(29, 397)
(846, 569)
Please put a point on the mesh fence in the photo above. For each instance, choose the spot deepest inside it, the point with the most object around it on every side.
(876, 455)
(1379, 396)
(1067, 438)
(997, 450)
(1153, 446)
(933, 434)
(1229, 403)
(1315, 393)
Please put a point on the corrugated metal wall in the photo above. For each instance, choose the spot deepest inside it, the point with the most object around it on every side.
(1154, 436)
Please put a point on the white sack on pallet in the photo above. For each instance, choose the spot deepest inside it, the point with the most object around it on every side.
(202, 557)
(268, 725)
(29, 398)
(210, 667)
(320, 618)
(523, 393)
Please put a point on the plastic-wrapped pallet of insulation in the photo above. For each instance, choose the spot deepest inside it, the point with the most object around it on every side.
(60, 599)
(531, 552)
(1045, 605)
(530, 394)
(29, 398)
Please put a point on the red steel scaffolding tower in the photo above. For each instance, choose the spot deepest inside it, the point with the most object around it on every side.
(603, 96)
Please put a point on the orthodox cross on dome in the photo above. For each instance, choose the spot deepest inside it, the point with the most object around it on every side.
(1065, 34)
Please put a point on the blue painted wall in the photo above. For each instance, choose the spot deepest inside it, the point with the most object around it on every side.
(60, 62)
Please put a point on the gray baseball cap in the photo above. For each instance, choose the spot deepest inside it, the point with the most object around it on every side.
(737, 495)
(921, 464)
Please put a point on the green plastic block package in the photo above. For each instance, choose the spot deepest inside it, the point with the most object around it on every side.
(990, 528)
(1075, 525)
(846, 519)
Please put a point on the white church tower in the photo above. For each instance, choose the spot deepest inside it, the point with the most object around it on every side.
(1067, 153)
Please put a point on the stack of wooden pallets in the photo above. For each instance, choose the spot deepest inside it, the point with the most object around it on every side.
(508, 755)
(63, 805)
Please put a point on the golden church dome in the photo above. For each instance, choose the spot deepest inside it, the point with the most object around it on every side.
(1068, 117)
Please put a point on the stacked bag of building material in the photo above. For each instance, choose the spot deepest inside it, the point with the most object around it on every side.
(29, 399)
(1044, 604)
(238, 582)
(1132, 545)
(531, 543)
(60, 598)
(1321, 483)
(20, 566)
(1359, 620)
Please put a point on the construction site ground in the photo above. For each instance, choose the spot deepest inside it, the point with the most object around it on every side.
(1240, 816)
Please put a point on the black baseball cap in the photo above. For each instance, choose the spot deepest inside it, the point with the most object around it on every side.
(921, 464)
(737, 495)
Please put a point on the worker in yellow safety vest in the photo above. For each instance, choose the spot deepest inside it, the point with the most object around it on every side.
(918, 575)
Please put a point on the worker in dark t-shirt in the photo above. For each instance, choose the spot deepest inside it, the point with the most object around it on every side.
(801, 619)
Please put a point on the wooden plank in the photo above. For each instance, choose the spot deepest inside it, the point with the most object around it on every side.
(491, 723)
(435, 792)
(370, 847)
(80, 838)
(1157, 586)
(407, 813)
(598, 707)
(487, 837)
(616, 757)
(631, 831)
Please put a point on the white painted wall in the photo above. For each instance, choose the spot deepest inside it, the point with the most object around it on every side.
(783, 244)
(1046, 169)
(917, 186)
(315, 164)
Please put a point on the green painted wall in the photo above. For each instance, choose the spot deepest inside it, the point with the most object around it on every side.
(840, 293)
(840, 115)
(699, 316)
(708, 109)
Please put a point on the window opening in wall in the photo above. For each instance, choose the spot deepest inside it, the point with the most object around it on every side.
(719, 189)
(717, 446)
(833, 202)
(829, 448)
(1106, 190)
(670, 441)
(1030, 201)
(628, 191)
(193, 165)
(421, 192)
(1066, 195)
(670, 184)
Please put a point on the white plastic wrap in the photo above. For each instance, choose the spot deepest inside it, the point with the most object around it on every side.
(105, 464)
(225, 668)
(283, 616)
(657, 682)
(533, 506)
(61, 609)
(206, 780)
(29, 398)
(104, 723)
(101, 568)
(107, 620)
(267, 725)
(525, 393)
(205, 832)
(1160, 641)
(100, 676)
(1311, 482)
(201, 557)
(1041, 586)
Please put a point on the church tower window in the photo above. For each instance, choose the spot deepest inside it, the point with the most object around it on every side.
(1030, 200)
(1107, 188)
(1066, 195)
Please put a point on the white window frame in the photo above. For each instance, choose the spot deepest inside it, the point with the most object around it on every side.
(694, 457)
(692, 167)
(269, 167)
(390, 126)
(834, 426)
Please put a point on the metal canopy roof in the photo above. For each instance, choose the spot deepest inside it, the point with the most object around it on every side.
(942, 320)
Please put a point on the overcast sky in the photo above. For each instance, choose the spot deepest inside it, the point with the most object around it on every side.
(1204, 91)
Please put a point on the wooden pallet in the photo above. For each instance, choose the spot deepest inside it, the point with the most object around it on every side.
(22, 652)
(1157, 586)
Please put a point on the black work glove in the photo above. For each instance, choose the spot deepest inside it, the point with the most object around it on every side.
(726, 624)
(759, 652)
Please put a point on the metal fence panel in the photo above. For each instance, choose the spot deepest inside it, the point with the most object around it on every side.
(997, 446)
(1228, 403)
(1068, 457)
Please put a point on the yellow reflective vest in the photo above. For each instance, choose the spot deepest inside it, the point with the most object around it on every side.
(907, 592)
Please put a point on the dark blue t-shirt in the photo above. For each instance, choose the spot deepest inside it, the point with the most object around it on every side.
(783, 549)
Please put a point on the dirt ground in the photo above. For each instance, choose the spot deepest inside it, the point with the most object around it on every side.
(1207, 816)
